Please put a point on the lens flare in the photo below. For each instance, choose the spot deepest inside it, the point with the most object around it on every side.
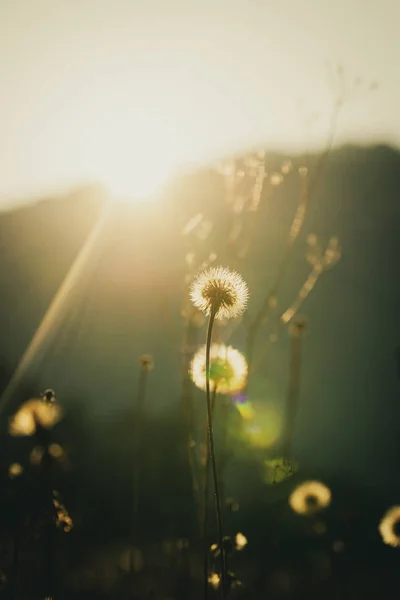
(262, 422)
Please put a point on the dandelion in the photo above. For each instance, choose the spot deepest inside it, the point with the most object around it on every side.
(146, 362)
(221, 292)
(146, 365)
(36, 455)
(214, 580)
(276, 179)
(389, 527)
(14, 470)
(228, 369)
(34, 412)
(240, 541)
(310, 497)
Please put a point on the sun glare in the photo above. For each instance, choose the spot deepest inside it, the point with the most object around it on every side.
(140, 183)
(133, 157)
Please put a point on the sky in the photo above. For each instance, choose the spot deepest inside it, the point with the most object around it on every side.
(128, 92)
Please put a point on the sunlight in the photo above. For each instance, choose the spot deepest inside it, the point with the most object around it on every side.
(140, 181)
(134, 156)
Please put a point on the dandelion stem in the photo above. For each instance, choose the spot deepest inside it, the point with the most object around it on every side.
(212, 457)
(206, 494)
(225, 451)
(137, 448)
(293, 391)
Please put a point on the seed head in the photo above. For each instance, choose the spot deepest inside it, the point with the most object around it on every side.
(146, 362)
(34, 412)
(220, 290)
(228, 369)
(388, 527)
(310, 497)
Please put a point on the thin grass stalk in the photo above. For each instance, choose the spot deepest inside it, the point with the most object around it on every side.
(224, 452)
(213, 461)
(206, 495)
(187, 416)
(43, 439)
(141, 395)
(293, 391)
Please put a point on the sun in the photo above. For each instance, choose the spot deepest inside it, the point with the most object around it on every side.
(134, 157)
(139, 181)
(135, 179)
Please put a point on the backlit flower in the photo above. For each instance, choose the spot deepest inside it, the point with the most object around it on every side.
(310, 497)
(220, 290)
(389, 527)
(228, 369)
(34, 412)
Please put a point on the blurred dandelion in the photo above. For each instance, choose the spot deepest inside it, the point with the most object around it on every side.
(389, 527)
(221, 292)
(310, 497)
(214, 580)
(240, 541)
(286, 167)
(15, 470)
(276, 179)
(56, 451)
(146, 362)
(146, 365)
(303, 171)
(36, 455)
(32, 413)
(228, 369)
(49, 396)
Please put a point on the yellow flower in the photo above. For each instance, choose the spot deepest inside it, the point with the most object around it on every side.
(310, 497)
(228, 369)
(388, 527)
(220, 290)
(34, 412)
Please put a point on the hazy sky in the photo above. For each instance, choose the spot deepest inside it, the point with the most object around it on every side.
(117, 89)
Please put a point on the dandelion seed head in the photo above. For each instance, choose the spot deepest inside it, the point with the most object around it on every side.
(228, 369)
(49, 396)
(220, 290)
(214, 580)
(55, 450)
(36, 455)
(36, 411)
(14, 470)
(310, 497)
(389, 527)
(276, 179)
(146, 362)
(240, 541)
